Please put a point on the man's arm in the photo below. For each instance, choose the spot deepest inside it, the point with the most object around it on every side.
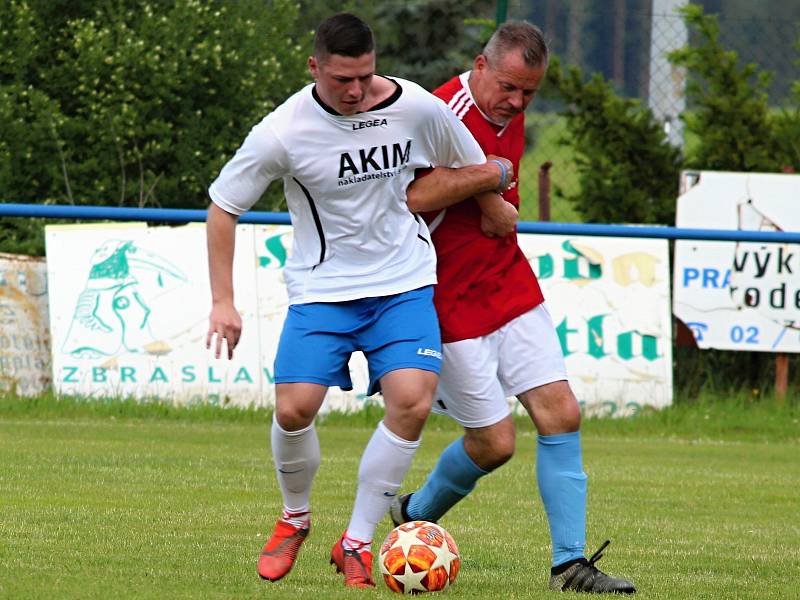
(444, 187)
(224, 320)
(498, 217)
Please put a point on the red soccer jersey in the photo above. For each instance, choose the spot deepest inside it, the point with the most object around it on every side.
(483, 282)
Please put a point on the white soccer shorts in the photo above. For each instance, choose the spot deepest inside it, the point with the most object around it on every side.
(479, 374)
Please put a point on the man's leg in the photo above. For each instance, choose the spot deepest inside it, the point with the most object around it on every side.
(295, 451)
(559, 467)
(402, 344)
(562, 485)
(461, 464)
(469, 392)
(532, 368)
(407, 395)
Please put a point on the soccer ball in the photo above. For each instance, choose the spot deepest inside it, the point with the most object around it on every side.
(417, 557)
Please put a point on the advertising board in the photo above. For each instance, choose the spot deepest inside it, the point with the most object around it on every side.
(129, 311)
(739, 295)
(24, 333)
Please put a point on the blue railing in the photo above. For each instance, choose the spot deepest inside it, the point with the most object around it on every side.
(178, 215)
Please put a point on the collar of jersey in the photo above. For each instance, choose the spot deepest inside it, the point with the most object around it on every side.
(382, 104)
(464, 77)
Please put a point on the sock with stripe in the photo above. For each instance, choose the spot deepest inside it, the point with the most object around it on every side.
(296, 456)
(383, 466)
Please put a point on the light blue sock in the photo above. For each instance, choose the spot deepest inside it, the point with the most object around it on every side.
(453, 478)
(562, 484)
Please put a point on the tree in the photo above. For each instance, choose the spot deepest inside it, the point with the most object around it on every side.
(730, 114)
(136, 103)
(627, 169)
(437, 39)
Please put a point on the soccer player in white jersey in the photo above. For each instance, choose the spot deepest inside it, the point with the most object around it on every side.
(360, 274)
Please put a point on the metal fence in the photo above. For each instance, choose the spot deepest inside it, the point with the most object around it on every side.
(627, 42)
(178, 215)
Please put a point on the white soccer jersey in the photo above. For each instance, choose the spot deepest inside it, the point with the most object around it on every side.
(345, 180)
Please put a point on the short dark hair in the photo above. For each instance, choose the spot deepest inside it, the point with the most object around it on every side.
(343, 34)
(518, 35)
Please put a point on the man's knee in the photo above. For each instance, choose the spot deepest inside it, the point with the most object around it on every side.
(553, 408)
(493, 446)
(571, 415)
(292, 417)
(410, 390)
(408, 395)
(297, 404)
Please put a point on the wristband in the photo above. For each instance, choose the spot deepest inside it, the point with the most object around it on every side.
(504, 175)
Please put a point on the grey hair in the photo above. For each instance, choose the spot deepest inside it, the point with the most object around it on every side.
(513, 35)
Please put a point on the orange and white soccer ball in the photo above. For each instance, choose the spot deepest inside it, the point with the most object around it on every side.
(419, 556)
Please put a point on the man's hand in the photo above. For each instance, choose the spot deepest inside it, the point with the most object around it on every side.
(507, 182)
(499, 218)
(226, 323)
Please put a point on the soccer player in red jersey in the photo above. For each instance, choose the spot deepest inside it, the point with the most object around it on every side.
(499, 339)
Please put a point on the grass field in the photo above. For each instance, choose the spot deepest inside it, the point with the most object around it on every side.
(122, 501)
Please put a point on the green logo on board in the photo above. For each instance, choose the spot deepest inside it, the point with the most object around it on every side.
(112, 313)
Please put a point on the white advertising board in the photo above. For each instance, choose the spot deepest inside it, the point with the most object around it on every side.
(129, 315)
(129, 311)
(739, 295)
(609, 300)
(24, 333)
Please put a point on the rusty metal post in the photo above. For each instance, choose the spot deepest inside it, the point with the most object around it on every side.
(544, 191)
(781, 377)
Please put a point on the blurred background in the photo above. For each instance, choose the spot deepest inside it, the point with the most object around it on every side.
(140, 103)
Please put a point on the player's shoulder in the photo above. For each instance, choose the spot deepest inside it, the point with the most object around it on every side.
(416, 100)
(284, 115)
(450, 88)
(412, 91)
(276, 126)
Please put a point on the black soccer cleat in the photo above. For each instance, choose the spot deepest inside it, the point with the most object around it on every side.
(583, 576)
(397, 509)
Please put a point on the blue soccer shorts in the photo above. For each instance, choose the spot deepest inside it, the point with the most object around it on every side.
(394, 332)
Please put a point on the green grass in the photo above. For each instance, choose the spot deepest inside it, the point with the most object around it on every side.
(547, 131)
(118, 500)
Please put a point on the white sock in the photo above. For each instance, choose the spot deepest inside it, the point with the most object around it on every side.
(299, 520)
(296, 456)
(383, 466)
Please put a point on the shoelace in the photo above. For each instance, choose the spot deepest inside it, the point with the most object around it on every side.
(594, 571)
(598, 554)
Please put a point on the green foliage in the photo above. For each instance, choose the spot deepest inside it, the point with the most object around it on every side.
(721, 372)
(438, 39)
(787, 126)
(131, 103)
(627, 170)
(426, 41)
(730, 113)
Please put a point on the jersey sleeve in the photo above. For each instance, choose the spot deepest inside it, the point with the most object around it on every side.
(452, 143)
(260, 160)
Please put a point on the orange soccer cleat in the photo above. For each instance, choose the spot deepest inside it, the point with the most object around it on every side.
(355, 564)
(280, 552)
